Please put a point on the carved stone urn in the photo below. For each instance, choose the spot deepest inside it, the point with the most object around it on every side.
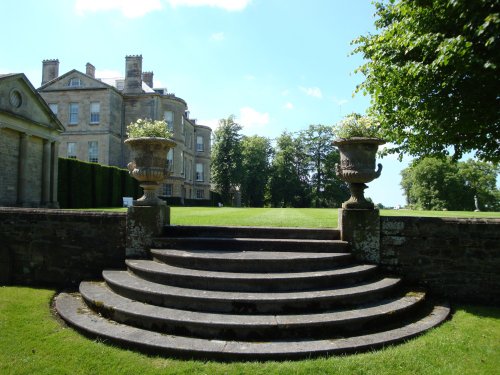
(357, 167)
(149, 166)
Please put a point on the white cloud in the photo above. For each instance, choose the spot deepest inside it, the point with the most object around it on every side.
(288, 105)
(135, 8)
(212, 123)
(129, 8)
(217, 37)
(339, 101)
(249, 77)
(285, 92)
(252, 119)
(229, 5)
(312, 91)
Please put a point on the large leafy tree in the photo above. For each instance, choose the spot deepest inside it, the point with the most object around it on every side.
(289, 181)
(256, 153)
(439, 183)
(226, 158)
(480, 181)
(432, 73)
(327, 189)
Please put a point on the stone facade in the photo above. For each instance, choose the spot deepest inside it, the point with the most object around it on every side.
(96, 113)
(29, 138)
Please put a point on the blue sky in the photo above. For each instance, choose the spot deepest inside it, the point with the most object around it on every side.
(275, 64)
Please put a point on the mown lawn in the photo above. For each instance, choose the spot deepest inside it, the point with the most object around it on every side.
(286, 217)
(32, 341)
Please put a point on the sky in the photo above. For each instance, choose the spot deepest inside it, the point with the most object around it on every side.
(275, 64)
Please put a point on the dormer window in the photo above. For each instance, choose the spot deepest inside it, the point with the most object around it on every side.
(75, 82)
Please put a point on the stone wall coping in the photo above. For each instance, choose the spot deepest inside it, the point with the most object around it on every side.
(58, 212)
(458, 220)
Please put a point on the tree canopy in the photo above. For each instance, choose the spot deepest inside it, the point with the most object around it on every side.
(432, 73)
(226, 158)
(439, 183)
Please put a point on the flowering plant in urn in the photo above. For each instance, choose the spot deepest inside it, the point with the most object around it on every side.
(149, 142)
(358, 141)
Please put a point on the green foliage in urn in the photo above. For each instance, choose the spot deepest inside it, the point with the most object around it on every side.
(356, 125)
(148, 128)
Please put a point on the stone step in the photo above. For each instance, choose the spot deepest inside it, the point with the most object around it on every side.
(133, 287)
(251, 261)
(242, 326)
(162, 273)
(251, 232)
(76, 313)
(250, 244)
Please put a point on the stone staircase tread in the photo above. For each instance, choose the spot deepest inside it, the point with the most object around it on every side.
(251, 239)
(248, 255)
(162, 268)
(125, 279)
(100, 294)
(76, 313)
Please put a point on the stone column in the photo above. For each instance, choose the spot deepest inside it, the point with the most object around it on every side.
(361, 228)
(22, 176)
(46, 172)
(54, 173)
(143, 224)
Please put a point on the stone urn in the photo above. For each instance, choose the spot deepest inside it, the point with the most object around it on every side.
(357, 167)
(149, 166)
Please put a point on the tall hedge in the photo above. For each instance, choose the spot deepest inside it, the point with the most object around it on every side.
(88, 185)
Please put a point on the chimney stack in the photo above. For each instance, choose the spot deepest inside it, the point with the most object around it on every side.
(90, 70)
(133, 74)
(147, 77)
(50, 70)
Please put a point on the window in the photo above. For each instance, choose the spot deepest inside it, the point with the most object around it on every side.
(199, 172)
(53, 108)
(71, 150)
(95, 109)
(75, 82)
(168, 116)
(183, 165)
(170, 159)
(167, 190)
(200, 194)
(93, 152)
(73, 113)
(199, 143)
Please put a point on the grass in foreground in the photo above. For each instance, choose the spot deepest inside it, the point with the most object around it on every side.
(286, 217)
(32, 341)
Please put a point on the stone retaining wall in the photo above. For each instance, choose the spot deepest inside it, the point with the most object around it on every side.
(58, 247)
(455, 258)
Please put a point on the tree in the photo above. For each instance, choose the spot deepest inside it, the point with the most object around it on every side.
(439, 183)
(480, 181)
(432, 73)
(327, 190)
(226, 158)
(256, 152)
(289, 181)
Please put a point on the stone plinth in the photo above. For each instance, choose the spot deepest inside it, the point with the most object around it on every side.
(361, 228)
(143, 224)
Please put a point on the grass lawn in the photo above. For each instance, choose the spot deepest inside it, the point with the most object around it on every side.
(32, 341)
(286, 217)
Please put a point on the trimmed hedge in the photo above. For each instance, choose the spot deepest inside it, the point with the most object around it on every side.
(88, 185)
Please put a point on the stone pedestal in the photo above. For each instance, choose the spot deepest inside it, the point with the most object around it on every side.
(361, 228)
(143, 224)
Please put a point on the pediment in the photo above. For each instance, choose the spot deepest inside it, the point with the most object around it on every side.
(20, 102)
(74, 80)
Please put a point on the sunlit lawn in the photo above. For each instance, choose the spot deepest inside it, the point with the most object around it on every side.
(32, 341)
(288, 217)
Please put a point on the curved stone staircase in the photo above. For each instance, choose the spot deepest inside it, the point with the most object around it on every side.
(234, 293)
